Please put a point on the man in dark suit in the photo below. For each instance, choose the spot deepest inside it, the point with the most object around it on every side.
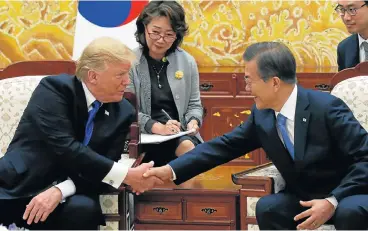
(353, 49)
(312, 137)
(68, 142)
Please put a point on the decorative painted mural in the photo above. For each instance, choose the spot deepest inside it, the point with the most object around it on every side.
(36, 30)
(219, 30)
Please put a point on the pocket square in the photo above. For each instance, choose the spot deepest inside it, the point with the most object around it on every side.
(107, 113)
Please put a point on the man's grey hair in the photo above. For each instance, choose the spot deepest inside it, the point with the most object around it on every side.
(273, 59)
(102, 51)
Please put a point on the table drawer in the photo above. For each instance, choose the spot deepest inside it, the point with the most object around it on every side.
(217, 85)
(148, 211)
(180, 227)
(209, 211)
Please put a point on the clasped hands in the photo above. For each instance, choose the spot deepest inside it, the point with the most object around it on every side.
(145, 177)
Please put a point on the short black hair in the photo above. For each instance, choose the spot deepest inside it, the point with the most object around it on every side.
(273, 59)
(170, 9)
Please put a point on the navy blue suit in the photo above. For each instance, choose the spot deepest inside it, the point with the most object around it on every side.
(348, 52)
(47, 145)
(331, 150)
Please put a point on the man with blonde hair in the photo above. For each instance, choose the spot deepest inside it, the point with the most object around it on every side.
(68, 142)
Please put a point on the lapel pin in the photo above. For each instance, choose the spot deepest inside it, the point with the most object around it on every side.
(107, 113)
(304, 120)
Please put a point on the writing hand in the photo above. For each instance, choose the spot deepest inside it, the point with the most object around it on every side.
(172, 127)
(320, 211)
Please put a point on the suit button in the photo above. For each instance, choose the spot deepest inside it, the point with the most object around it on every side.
(111, 182)
(177, 97)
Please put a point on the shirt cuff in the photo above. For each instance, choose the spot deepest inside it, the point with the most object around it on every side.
(333, 201)
(173, 173)
(67, 188)
(116, 175)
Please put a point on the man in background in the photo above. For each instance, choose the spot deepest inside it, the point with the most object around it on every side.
(311, 137)
(68, 142)
(353, 49)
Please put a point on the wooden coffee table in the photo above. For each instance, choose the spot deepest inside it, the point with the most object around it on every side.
(209, 201)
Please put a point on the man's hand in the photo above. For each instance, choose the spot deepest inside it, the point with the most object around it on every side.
(40, 207)
(193, 124)
(164, 173)
(320, 211)
(139, 184)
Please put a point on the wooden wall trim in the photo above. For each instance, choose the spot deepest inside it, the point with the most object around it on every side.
(29, 68)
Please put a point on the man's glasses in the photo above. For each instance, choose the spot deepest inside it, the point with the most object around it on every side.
(248, 81)
(352, 11)
(157, 36)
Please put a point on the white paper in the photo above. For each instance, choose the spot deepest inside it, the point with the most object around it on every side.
(156, 139)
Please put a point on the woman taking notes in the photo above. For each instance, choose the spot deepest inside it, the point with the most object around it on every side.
(166, 81)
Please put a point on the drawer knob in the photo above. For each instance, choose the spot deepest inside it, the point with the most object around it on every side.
(322, 87)
(206, 86)
(208, 211)
(160, 210)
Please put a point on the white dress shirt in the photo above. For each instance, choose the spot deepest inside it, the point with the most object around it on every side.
(361, 48)
(117, 173)
(288, 110)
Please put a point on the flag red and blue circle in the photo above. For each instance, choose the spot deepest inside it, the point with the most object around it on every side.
(111, 13)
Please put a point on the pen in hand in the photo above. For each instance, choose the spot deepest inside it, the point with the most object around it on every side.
(169, 117)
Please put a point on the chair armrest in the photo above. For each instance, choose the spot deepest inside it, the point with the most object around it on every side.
(133, 146)
(262, 178)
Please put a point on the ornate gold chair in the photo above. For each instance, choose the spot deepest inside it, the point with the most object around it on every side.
(17, 83)
(351, 85)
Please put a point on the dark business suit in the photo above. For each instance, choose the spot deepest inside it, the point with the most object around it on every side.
(331, 151)
(47, 145)
(348, 52)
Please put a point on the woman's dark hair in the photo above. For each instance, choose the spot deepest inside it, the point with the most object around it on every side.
(170, 9)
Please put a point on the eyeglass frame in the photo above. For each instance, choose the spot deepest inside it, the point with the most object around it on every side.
(164, 37)
(247, 80)
(342, 10)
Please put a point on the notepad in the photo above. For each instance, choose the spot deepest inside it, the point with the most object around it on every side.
(157, 139)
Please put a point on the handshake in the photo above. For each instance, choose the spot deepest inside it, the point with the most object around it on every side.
(145, 177)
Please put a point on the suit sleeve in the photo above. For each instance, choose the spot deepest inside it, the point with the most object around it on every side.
(220, 150)
(352, 141)
(113, 152)
(53, 123)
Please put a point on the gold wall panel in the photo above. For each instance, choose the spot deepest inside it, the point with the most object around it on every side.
(219, 30)
(36, 30)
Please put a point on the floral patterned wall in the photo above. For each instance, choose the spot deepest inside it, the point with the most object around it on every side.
(36, 30)
(219, 30)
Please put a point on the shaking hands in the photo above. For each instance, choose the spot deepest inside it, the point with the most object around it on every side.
(145, 177)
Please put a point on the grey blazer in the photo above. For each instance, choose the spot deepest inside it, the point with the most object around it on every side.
(185, 90)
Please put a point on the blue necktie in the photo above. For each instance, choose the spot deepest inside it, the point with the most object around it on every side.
(281, 122)
(89, 126)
